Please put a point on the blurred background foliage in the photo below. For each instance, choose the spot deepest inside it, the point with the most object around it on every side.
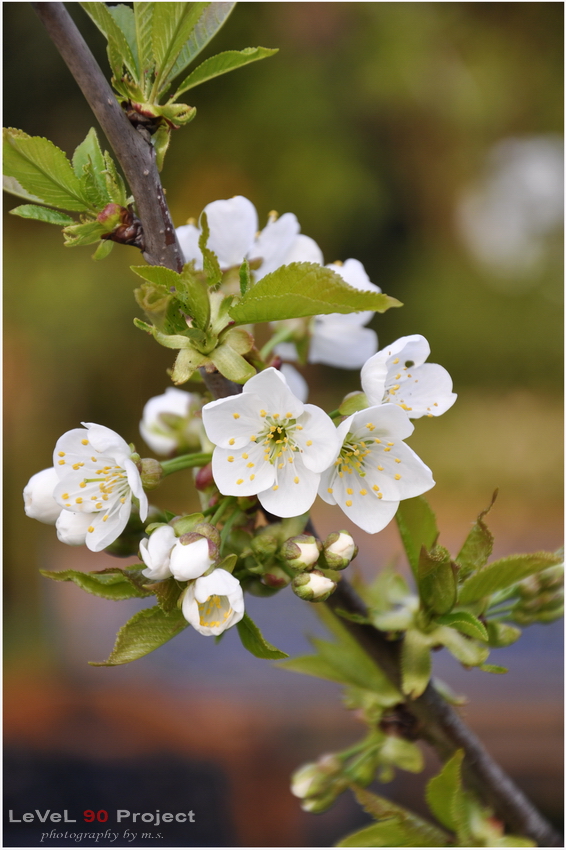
(373, 124)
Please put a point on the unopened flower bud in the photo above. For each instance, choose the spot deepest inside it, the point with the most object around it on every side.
(339, 549)
(38, 496)
(151, 473)
(276, 577)
(301, 552)
(208, 530)
(192, 555)
(264, 544)
(203, 478)
(318, 784)
(313, 586)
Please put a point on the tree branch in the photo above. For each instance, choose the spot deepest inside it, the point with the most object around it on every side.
(438, 722)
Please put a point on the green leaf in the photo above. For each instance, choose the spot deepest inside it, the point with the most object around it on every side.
(390, 832)
(493, 668)
(82, 234)
(467, 652)
(11, 185)
(415, 663)
(313, 665)
(352, 403)
(503, 573)
(402, 753)
(253, 640)
(210, 262)
(167, 593)
(173, 23)
(145, 631)
(115, 186)
(103, 249)
(417, 526)
(43, 214)
(502, 634)
(465, 623)
(211, 20)
(477, 546)
(89, 151)
(109, 584)
(44, 170)
(158, 274)
(143, 16)
(119, 51)
(193, 293)
(231, 364)
(436, 580)
(124, 18)
(305, 289)
(222, 64)
(245, 280)
(186, 363)
(417, 832)
(442, 792)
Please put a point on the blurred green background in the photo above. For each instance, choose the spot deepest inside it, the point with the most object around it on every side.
(373, 124)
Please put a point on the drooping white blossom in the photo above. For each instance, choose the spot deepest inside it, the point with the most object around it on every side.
(234, 237)
(374, 469)
(213, 603)
(271, 444)
(340, 339)
(155, 552)
(169, 424)
(399, 374)
(72, 528)
(192, 556)
(38, 496)
(97, 477)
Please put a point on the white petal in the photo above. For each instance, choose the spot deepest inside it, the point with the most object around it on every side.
(286, 351)
(252, 478)
(38, 496)
(233, 225)
(190, 561)
(295, 381)
(155, 552)
(136, 486)
(72, 528)
(361, 504)
(231, 422)
(294, 492)
(188, 236)
(318, 441)
(173, 400)
(341, 345)
(353, 272)
(107, 531)
(390, 422)
(427, 392)
(373, 377)
(158, 443)
(218, 583)
(276, 397)
(274, 243)
(399, 473)
(105, 440)
(304, 250)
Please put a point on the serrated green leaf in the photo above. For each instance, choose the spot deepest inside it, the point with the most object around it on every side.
(11, 185)
(120, 52)
(210, 262)
(145, 631)
(245, 279)
(82, 234)
(416, 828)
(415, 663)
(158, 274)
(253, 640)
(502, 634)
(390, 832)
(209, 23)
(478, 545)
(465, 650)
(503, 573)
(493, 668)
(167, 593)
(417, 526)
(173, 23)
(143, 16)
(88, 151)
(312, 665)
(222, 63)
(442, 790)
(402, 753)
(108, 584)
(193, 292)
(43, 169)
(124, 18)
(46, 214)
(465, 623)
(304, 289)
(436, 580)
(115, 186)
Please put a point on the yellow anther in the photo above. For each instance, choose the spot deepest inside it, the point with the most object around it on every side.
(245, 456)
(281, 465)
(429, 415)
(240, 481)
(104, 518)
(349, 491)
(61, 463)
(296, 479)
(123, 499)
(309, 442)
(397, 460)
(387, 449)
(64, 495)
(253, 438)
(397, 376)
(61, 454)
(348, 503)
(375, 487)
(288, 416)
(276, 415)
(390, 444)
(435, 404)
(231, 459)
(377, 440)
(231, 441)
(252, 477)
(78, 500)
(397, 477)
(396, 360)
(380, 495)
(98, 506)
(363, 492)
(236, 415)
(249, 465)
(330, 490)
(94, 460)
(263, 413)
(276, 487)
(90, 529)
(380, 468)
(299, 427)
(84, 442)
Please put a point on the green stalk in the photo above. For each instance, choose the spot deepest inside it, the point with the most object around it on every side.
(185, 462)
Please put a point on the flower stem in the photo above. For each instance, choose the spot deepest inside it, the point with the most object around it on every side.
(282, 335)
(222, 509)
(185, 462)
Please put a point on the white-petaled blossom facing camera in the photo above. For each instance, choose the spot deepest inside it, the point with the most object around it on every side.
(233, 225)
(155, 552)
(38, 496)
(271, 444)
(169, 424)
(97, 481)
(399, 375)
(213, 603)
(374, 469)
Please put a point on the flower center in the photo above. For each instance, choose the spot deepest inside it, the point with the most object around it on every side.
(352, 455)
(215, 611)
(277, 438)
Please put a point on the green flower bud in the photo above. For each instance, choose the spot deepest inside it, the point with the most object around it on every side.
(301, 552)
(255, 587)
(313, 586)
(339, 549)
(264, 544)
(151, 473)
(208, 530)
(185, 523)
(193, 536)
(319, 783)
(276, 577)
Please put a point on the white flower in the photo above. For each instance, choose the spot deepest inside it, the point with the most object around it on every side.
(168, 422)
(233, 237)
(271, 444)
(313, 586)
(295, 381)
(399, 374)
(97, 477)
(339, 339)
(343, 547)
(192, 556)
(213, 603)
(374, 469)
(72, 528)
(38, 496)
(155, 552)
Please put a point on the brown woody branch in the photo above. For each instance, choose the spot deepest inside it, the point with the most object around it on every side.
(436, 721)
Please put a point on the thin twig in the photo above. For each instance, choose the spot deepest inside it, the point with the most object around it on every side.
(438, 723)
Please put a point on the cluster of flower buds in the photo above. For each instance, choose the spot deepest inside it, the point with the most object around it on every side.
(315, 565)
(318, 784)
(541, 597)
